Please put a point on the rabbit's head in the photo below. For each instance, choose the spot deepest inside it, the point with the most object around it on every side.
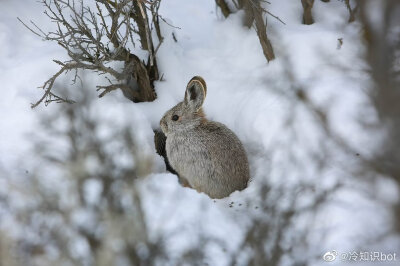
(188, 113)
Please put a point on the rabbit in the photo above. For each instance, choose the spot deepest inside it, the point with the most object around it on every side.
(206, 155)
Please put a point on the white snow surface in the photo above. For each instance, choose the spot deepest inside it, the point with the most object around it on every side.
(249, 95)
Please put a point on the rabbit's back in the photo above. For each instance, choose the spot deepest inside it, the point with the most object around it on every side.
(210, 157)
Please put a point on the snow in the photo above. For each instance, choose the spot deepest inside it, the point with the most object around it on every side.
(252, 97)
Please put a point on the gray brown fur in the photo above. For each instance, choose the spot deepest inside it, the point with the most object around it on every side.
(206, 154)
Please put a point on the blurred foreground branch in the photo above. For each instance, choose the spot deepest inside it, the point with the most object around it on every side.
(382, 54)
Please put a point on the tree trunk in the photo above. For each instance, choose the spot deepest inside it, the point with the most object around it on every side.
(307, 15)
(224, 7)
(140, 81)
(254, 13)
(248, 18)
(140, 22)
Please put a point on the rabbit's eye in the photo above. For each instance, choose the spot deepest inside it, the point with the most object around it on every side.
(175, 117)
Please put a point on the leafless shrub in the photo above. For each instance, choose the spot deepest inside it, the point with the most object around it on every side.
(98, 36)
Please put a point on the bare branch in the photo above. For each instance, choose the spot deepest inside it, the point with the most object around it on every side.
(255, 13)
(48, 85)
(272, 15)
(26, 26)
(147, 31)
(112, 87)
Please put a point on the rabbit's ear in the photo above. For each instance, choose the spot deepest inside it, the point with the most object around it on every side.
(195, 93)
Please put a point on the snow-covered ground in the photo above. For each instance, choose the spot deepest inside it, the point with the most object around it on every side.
(256, 99)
